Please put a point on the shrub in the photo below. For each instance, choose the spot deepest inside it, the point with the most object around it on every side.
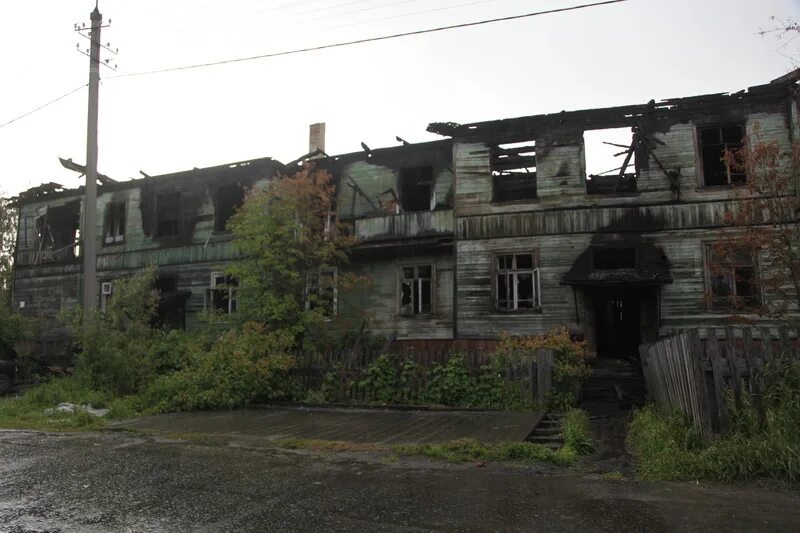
(570, 367)
(242, 366)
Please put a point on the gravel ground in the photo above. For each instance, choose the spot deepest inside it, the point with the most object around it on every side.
(128, 482)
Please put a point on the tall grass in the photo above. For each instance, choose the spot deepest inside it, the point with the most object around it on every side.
(763, 443)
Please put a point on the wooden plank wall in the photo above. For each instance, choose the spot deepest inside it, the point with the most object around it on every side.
(695, 375)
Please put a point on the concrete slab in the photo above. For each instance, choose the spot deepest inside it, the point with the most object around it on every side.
(382, 426)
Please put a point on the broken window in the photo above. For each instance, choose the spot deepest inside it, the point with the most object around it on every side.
(611, 165)
(416, 188)
(223, 294)
(715, 141)
(57, 232)
(732, 280)
(171, 310)
(227, 200)
(168, 209)
(114, 222)
(517, 282)
(513, 171)
(321, 292)
(416, 290)
(613, 258)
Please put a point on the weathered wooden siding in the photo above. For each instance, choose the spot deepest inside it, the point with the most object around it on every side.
(405, 225)
(378, 298)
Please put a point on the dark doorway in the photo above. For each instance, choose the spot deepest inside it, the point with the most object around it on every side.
(618, 322)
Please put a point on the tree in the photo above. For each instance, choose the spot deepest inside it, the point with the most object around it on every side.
(292, 247)
(764, 228)
(11, 325)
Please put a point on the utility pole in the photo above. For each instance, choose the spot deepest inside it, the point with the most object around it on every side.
(89, 222)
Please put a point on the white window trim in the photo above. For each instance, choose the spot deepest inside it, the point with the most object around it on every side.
(513, 273)
(233, 294)
(418, 298)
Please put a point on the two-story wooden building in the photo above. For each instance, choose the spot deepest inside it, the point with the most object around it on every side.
(496, 228)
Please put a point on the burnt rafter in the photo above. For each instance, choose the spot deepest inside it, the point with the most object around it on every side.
(81, 169)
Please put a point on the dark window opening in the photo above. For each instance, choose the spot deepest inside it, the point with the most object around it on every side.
(321, 293)
(416, 290)
(114, 222)
(168, 209)
(57, 232)
(513, 171)
(171, 310)
(223, 295)
(517, 282)
(715, 141)
(733, 281)
(416, 188)
(611, 163)
(613, 258)
(227, 201)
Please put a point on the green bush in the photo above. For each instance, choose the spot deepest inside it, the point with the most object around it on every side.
(575, 430)
(241, 367)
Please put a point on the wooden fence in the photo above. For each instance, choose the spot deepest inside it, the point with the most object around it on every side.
(534, 379)
(694, 370)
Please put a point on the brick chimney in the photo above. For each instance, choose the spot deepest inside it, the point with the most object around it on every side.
(316, 137)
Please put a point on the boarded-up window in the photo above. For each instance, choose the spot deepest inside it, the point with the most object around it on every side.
(513, 171)
(517, 282)
(416, 188)
(715, 141)
(416, 290)
(168, 214)
(732, 280)
(114, 222)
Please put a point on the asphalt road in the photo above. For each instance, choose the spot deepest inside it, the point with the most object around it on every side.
(124, 482)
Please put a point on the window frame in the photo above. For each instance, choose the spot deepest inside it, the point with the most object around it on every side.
(399, 288)
(232, 288)
(536, 276)
(117, 238)
(730, 306)
(310, 287)
(700, 158)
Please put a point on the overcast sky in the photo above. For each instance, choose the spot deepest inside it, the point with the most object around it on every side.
(616, 54)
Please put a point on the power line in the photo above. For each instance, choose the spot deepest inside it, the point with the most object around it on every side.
(365, 40)
(51, 102)
(426, 11)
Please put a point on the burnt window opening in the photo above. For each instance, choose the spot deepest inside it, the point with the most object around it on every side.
(227, 200)
(57, 232)
(171, 309)
(321, 293)
(513, 171)
(416, 188)
(613, 258)
(416, 290)
(715, 141)
(168, 209)
(114, 223)
(517, 285)
(732, 281)
(223, 294)
(611, 162)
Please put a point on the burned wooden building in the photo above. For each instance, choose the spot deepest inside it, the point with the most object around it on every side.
(498, 227)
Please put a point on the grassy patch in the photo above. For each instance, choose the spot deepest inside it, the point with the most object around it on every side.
(471, 450)
(335, 446)
(614, 476)
(576, 432)
(26, 411)
(669, 448)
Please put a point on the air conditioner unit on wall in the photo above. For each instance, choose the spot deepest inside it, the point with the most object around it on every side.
(105, 287)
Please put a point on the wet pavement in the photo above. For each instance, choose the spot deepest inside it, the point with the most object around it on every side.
(128, 482)
(383, 426)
